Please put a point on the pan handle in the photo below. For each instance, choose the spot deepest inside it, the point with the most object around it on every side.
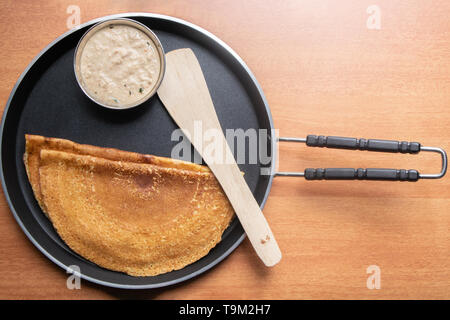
(365, 174)
(362, 144)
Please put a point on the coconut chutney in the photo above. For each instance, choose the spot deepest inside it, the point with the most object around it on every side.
(119, 65)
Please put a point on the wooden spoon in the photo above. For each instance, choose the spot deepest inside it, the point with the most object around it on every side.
(185, 95)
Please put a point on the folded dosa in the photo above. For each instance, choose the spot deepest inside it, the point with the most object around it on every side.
(139, 214)
(35, 143)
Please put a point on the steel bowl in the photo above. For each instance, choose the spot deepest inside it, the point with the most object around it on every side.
(119, 21)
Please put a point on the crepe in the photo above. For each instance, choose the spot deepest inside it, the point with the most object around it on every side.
(128, 212)
(34, 144)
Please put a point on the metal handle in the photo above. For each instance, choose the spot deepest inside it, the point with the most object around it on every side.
(362, 144)
(361, 174)
(365, 174)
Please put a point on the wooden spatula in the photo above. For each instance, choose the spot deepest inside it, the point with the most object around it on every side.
(186, 97)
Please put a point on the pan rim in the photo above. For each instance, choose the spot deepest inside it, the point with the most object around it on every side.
(132, 15)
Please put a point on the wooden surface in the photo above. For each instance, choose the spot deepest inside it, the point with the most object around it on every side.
(323, 72)
(184, 92)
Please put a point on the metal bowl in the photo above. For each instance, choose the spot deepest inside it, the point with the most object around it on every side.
(120, 21)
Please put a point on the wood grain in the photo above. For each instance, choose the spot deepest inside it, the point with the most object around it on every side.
(323, 72)
(186, 97)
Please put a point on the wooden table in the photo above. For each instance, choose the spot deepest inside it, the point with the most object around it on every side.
(323, 72)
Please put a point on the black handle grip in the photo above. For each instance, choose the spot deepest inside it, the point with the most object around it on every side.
(361, 174)
(362, 144)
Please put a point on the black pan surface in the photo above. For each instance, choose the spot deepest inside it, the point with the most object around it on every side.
(47, 101)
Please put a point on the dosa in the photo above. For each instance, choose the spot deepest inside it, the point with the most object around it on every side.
(138, 214)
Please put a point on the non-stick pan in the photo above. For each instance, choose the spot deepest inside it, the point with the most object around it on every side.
(46, 100)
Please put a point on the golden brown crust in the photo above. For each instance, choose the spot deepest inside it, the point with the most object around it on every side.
(34, 144)
(139, 218)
